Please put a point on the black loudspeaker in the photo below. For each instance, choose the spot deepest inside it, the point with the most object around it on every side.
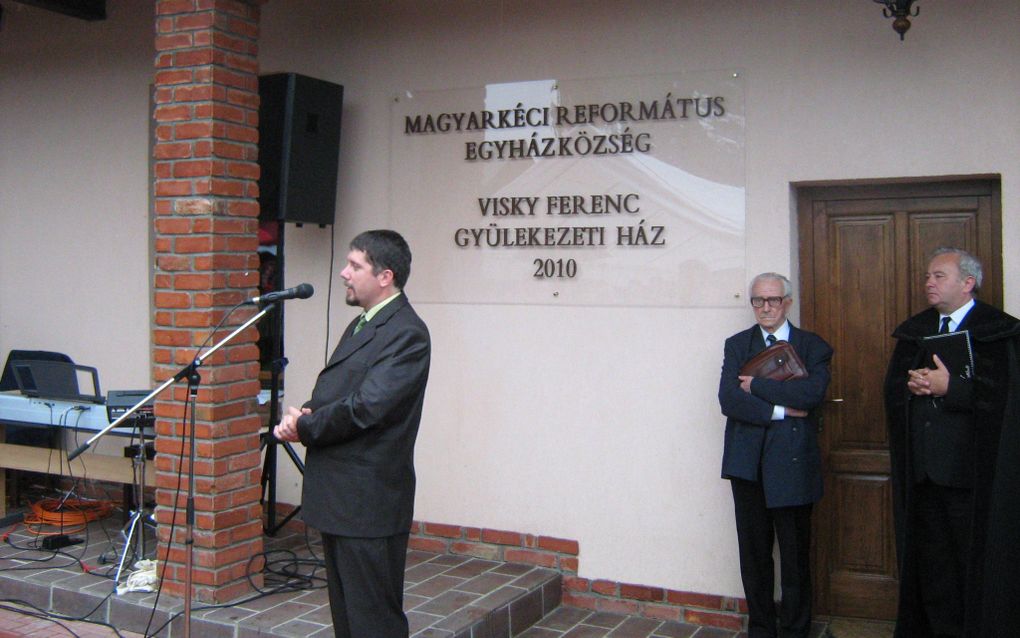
(299, 148)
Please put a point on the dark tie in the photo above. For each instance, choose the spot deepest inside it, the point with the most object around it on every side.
(770, 340)
(944, 328)
(361, 324)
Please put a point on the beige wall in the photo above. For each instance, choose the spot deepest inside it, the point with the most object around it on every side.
(74, 212)
(578, 422)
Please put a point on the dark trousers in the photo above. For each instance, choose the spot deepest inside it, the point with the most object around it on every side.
(365, 577)
(941, 536)
(758, 527)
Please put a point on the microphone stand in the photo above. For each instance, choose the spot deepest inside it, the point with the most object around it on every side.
(269, 466)
(190, 372)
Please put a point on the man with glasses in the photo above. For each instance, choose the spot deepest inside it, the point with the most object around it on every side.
(772, 461)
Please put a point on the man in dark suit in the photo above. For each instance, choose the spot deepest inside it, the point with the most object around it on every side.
(772, 460)
(359, 429)
(945, 427)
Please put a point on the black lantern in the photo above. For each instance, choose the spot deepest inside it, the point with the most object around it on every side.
(900, 10)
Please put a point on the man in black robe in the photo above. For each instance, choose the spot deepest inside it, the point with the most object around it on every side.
(951, 505)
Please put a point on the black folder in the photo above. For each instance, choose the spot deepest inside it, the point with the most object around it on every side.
(953, 348)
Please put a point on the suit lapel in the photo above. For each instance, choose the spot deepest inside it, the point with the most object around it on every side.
(756, 343)
(795, 337)
(351, 343)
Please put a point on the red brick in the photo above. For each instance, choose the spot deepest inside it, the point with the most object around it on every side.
(439, 529)
(234, 226)
(685, 598)
(196, 281)
(196, 206)
(193, 130)
(241, 62)
(168, 188)
(230, 43)
(240, 133)
(226, 187)
(173, 76)
(561, 545)
(163, 207)
(427, 544)
(568, 564)
(605, 587)
(168, 7)
(229, 113)
(478, 550)
(202, 244)
(642, 592)
(243, 170)
(193, 57)
(529, 557)
(661, 612)
(197, 319)
(172, 113)
(194, 21)
(193, 93)
(163, 170)
(173, 41)
(502, 537)
(173, 226)
(616, 606)
(721, 620)
(575, 584)
(171, 150)
(171, 337)
(228, 150)
(582, 601)
(172, 300)
(197, 168)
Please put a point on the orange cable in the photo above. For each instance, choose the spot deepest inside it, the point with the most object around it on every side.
(68, 516)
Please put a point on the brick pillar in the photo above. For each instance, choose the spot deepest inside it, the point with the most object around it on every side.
(206, 172)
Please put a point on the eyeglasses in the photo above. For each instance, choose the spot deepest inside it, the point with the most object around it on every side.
(759, 302)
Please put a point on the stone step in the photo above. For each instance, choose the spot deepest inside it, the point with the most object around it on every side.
(446, 595)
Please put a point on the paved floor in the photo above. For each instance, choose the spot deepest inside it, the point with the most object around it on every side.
(563, 622)
(446, 596)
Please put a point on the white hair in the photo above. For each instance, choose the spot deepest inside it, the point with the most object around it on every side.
(787, 286)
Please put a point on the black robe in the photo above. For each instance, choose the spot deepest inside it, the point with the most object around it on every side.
(992, 607)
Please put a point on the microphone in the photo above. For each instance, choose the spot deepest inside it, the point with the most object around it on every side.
(300, 291)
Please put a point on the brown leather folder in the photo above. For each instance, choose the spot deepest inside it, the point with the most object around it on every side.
(779, 362)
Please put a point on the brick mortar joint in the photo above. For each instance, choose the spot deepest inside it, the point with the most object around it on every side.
(727, 606)
(643, 603)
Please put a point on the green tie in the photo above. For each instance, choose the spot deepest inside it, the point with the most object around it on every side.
(361, 324)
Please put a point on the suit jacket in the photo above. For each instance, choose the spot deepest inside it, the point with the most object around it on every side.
(941, 430)
(366, 407)
(784, 454)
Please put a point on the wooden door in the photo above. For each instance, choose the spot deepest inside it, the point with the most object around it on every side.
(863, 253)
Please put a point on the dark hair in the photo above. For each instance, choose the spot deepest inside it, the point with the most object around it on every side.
(385, 250)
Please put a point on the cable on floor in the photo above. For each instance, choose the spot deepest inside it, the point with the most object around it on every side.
(68, 516)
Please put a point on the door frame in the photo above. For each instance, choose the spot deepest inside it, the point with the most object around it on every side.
(806, 193)
(990, 248)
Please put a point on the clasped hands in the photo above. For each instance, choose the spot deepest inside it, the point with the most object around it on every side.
(286, 430)
(928, 382)
(745, 385)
